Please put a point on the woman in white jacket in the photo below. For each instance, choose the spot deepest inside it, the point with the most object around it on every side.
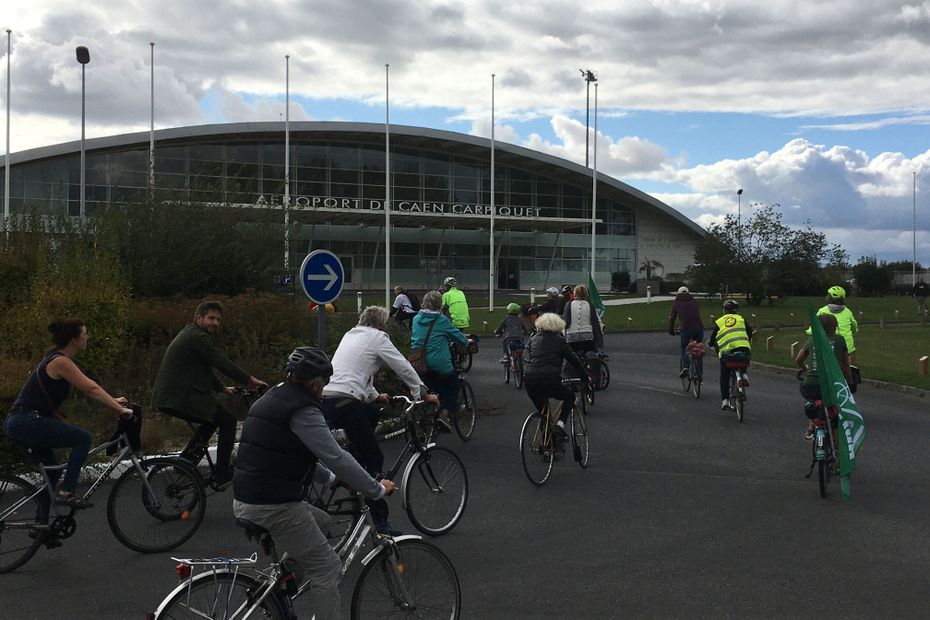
(582, 326)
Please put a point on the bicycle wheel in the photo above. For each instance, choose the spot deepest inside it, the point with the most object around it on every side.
(696, 371)
(410, 578)
(686, 380)
(605, 375)
(435, 490)
(739, 403)
(160, 519)
(507, 366)
(464, 419)
(580, 434)
(467, 361)
(536, 449)
(22, 522)
(218, 594)
(518, 374)
(339, 506)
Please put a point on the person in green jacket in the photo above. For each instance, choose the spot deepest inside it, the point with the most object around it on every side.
(186, 388)
(846, 324)
(458, 306)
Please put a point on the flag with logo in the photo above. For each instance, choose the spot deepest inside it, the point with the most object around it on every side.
(595, 297)
(835, 392)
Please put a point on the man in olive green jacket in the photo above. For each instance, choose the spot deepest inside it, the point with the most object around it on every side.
(186, 387)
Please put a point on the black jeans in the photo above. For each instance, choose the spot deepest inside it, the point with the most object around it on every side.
(359, 421)
(224, 421)
(540, 391)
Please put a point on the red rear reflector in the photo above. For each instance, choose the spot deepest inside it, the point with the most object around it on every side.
(183, 570)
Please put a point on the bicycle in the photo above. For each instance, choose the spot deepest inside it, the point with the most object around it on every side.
(513, 367)
(155, 505)
(541, 444)
(824, 453)
(694, 356)
(464, 417)
(739, 382)
(598, 371)
(433, 482)
(405, 575)
(463, 355)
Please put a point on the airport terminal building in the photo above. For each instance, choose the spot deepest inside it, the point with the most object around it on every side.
(440, 199)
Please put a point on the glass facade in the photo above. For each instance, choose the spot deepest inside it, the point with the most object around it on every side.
(350, 177)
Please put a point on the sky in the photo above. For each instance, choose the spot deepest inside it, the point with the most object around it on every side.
(817, 107)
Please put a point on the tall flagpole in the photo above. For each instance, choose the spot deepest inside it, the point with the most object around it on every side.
(914, 264)
(594, 188)
(491, 242)
(152, 125)
(387, 186)
(6, 174)
(287, 164)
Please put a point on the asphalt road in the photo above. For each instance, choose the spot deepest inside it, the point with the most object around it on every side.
(683, 512)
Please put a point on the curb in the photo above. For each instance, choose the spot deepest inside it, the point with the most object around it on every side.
(882, 385)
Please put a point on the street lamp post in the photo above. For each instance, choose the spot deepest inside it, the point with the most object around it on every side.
(6, 172)
(588, 76)
(83, 57)
(739, 225)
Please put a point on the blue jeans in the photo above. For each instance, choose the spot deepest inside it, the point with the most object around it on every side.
(446, 387)
(687, 335)
(30, 429)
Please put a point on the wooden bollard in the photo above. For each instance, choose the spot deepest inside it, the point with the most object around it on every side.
(794, 349)
(897, 315)
(485, 324)
(881, 323)
(629, 321)
(861, 314)
(770, 343)
(922, 365)
(713, 318)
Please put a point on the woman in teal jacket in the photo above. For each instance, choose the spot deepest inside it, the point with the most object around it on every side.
(440, 376)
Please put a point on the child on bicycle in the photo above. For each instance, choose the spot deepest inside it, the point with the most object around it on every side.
(810, 386)
(732, 338)
(511, 330)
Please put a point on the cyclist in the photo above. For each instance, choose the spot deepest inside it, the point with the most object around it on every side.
(349, 399)
(543, 357)
(688, 312)
(511, 330)
(185, 386)
(440, 375)
(846, 323)
(810, 387)
(402, 309)
(552, 304)
(35, 422)
(732, 338)
(455, 300)
(284, 440)
(582, 327)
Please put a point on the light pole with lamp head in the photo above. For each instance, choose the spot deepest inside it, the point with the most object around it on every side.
(83, 57)
(588, 76)
(739, 225)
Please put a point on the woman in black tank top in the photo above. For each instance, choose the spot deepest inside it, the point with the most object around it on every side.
(34, 421)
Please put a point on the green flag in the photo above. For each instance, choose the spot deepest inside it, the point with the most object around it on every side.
(835, 393)
(595, 297)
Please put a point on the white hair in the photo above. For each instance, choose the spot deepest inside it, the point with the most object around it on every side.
(550, 322)
(373, 316)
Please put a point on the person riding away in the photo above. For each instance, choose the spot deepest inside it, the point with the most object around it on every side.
(582, 325)
(349, 399)
(185, 388)
(440, 375)
(732, 336)
(32, 422)
(810, 387)
(511, 330)
(688, 312)
(542, 366)
(284, 440)
(846, 323)
(455, 300)
(552, 304)
(402, 309)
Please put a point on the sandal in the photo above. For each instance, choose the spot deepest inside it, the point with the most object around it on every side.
(73, 501)
(42, 536)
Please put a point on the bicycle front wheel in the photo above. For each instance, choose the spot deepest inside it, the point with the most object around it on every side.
(605, 376)
(465, 418)
(536, 449)
(740, 404)
(696, 372)
(410, 578)
(219, 594)
(580, 435)
(686, 379)
(160, 508)
(507, 366)
(435, 490)
(23, 522)
(518, 373)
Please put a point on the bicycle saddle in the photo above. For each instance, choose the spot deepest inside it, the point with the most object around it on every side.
(253, 531)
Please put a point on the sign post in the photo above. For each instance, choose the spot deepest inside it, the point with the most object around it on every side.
(322, 277)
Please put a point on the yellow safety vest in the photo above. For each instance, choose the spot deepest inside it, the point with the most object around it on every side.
(731, 333)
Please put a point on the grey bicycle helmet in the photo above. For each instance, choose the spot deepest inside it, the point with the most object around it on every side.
(450, 282)
(308, 362)
(731, 305)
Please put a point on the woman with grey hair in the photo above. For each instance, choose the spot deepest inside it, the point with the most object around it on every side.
(434, 331)
(542, 365)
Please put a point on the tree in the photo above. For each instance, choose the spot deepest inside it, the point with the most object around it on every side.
(872, 278)
(762, 257)
(647, 267)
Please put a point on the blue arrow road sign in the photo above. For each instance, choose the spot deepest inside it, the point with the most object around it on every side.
(322, 276)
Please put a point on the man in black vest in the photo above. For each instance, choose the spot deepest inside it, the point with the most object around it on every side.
(283, 439)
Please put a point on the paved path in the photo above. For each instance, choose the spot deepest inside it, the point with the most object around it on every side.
(682, 513)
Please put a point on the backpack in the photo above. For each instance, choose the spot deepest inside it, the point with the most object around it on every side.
(414, 301)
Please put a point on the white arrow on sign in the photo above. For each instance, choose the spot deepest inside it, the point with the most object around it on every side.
(331, 277)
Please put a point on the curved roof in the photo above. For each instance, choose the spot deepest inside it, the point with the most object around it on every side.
(408, 136)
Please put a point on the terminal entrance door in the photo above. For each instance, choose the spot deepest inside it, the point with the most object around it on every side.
(508, 274)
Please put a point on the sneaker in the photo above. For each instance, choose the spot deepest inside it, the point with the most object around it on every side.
(683, 373)
(42, 537)
(385, 528)
(809, 434)
(725, 405)
(222, 481)
(504, 360)
(73, 501)
(443, 423)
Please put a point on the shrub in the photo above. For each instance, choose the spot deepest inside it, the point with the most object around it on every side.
(620, 281)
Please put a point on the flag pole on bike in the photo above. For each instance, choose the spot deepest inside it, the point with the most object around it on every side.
(836, 393)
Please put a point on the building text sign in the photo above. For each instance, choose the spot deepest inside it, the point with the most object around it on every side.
(401, 206)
